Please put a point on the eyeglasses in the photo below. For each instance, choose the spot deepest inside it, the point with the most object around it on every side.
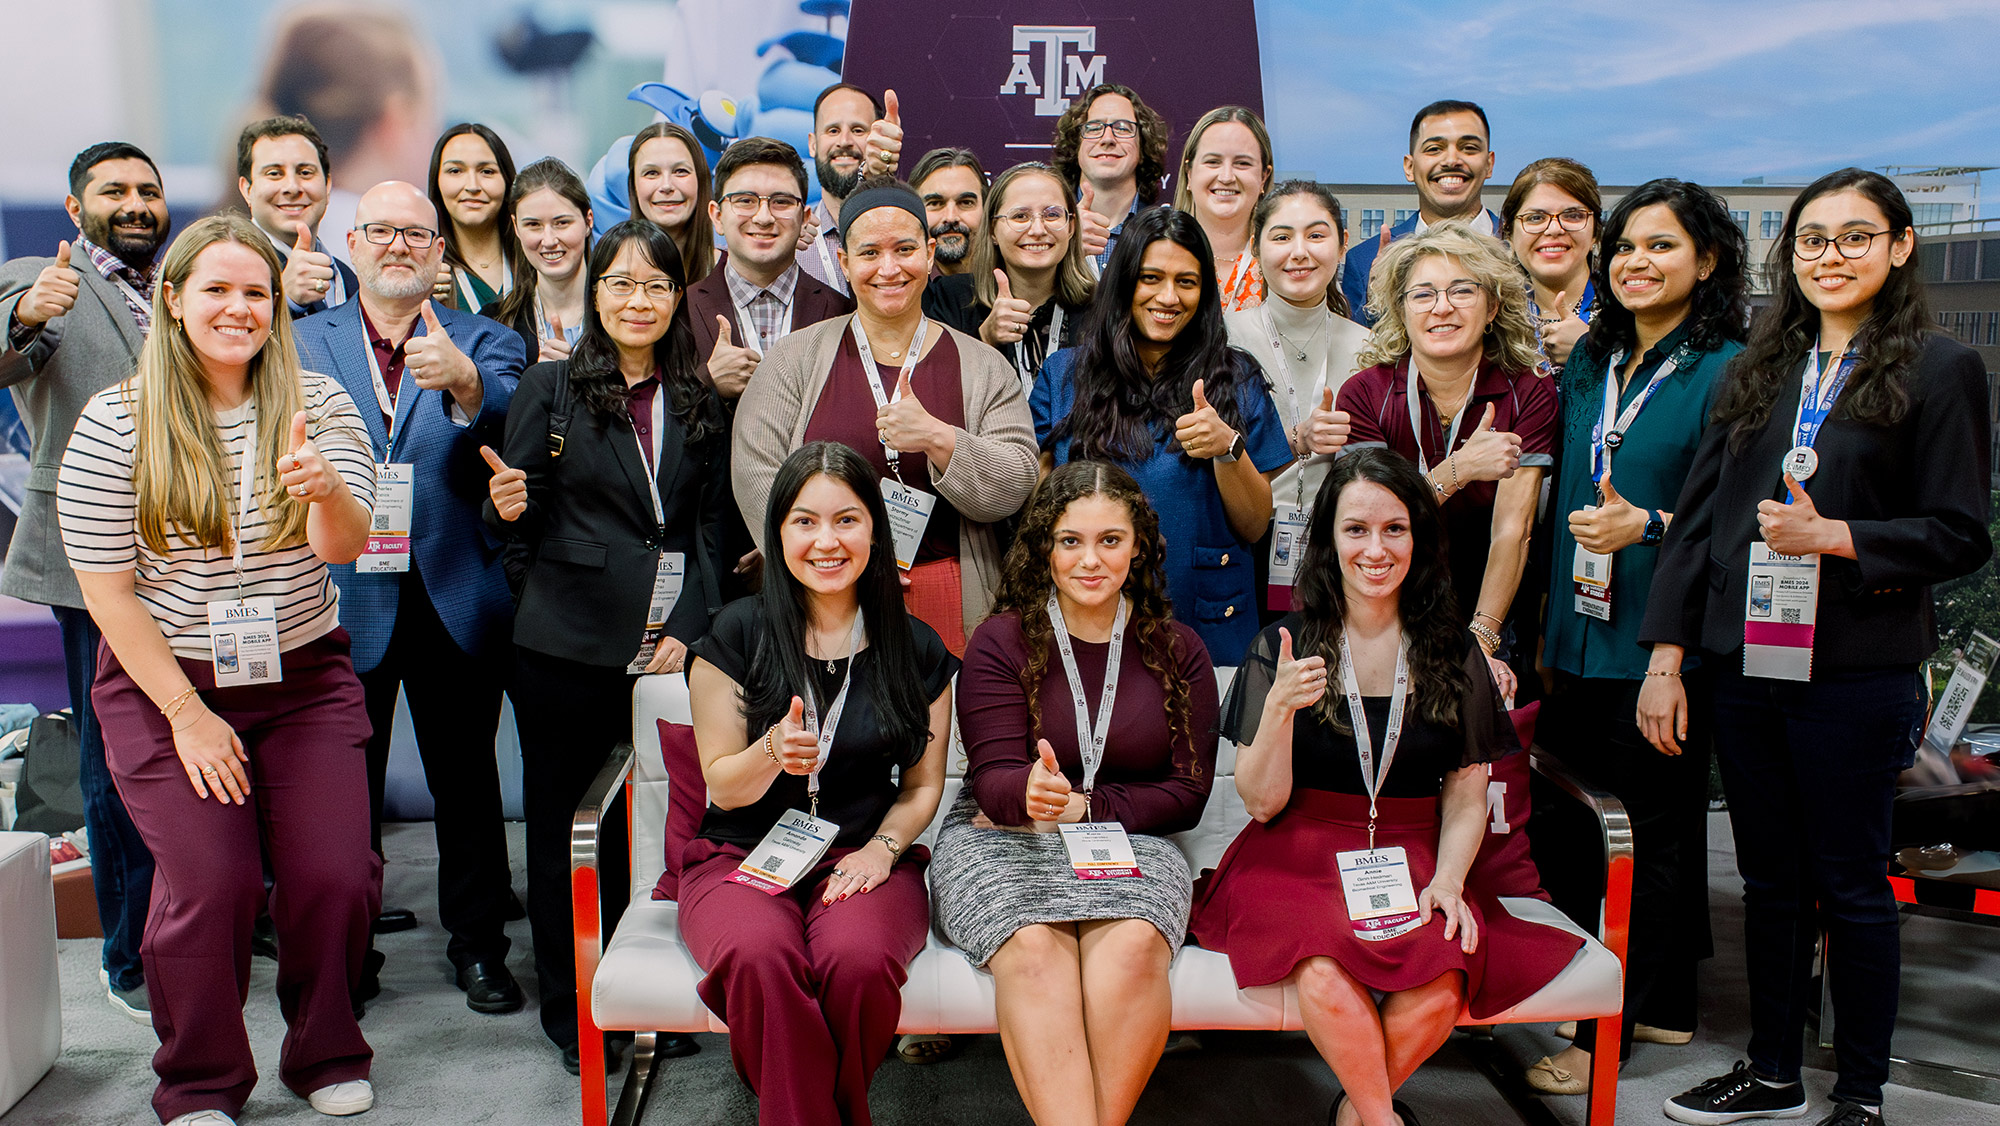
(1122, 128)
(382, 234)
(1852, 244)
(746, 204)
(1021, 218)
(1461, 295)
(1571, 218)
(622, 287)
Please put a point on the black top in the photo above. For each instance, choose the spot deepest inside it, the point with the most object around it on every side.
(952, 300)
(858, 783)
(1914, 494)
(1325, 759)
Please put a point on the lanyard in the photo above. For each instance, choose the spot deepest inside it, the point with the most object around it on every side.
(1299, 410)
(825, 734)
(571, 333)
(1022, 364)
(1417, 415)
(1609, 433)
(382, 396)
(827, 231)
(1816, 400)
(652, 466)
(1089, 739)
(246, 471)
(1364, 743)
(470, 297)
(884, 398)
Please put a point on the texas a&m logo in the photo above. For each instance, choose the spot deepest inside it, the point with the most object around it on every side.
(1069, 66)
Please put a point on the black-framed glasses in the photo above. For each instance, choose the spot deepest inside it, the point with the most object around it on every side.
(1021, 218)
(623, 287)
(1460, 294)
(1852, 244)
(1571, 218)
(746, 204)
(382, 234)
(1123, 128)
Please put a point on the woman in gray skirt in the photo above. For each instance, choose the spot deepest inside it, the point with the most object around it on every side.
(1089, 715)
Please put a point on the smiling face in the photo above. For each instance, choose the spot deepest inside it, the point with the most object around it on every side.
(954, 201)
(668, 186)
(888, 260)
(828, 536)
(552, 232)
(470, 181)
(1227, 173)
(839, 127)
(1091, 551)
(635, 323)
(1655, 265)
(225, 305)
(1108, 159)
(394, 271)
(1449, 164)
(1371, 536)
(286, 188)
(762, 239)
(1553, 254)
(1040, 245)
(1299, 250)
(1847, 286)
(1438, 329)
(1168, 293)
(123, 210)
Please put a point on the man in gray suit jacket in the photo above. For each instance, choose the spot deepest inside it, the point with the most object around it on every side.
(74, 325)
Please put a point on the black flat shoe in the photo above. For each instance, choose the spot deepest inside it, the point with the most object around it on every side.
(264, 938)
(393, 919)
(489, 987)
(674, 1045)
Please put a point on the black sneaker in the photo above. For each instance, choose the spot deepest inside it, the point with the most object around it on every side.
(1848, 1114)
(1735, 1097)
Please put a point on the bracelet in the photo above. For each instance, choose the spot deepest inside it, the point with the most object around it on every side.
(1662, 672)
(770, 752)
(1453, 459)
(1438, 485)
(172, 707)
(889, 842)
(1484, 614)
(1488, 639)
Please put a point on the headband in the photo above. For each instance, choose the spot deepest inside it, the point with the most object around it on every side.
(888, 195)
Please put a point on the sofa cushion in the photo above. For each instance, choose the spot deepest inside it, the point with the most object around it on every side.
(687, 802)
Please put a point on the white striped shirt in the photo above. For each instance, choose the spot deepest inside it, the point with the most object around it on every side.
(98, 510)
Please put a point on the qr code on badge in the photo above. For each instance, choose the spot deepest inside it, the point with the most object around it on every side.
(1791, 615)
(1378, 902)
(381, 521)
(260, 670)
(773, 862)
(1100, 855)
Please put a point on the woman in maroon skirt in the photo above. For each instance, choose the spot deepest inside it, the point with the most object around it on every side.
(1365, 830)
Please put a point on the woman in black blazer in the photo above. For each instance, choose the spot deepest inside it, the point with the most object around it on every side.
(1816, 714)
(616, 478)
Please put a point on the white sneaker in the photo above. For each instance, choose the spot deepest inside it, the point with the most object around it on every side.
(203, 1118)
(351, 1097)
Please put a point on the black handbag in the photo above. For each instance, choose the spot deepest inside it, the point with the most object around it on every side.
(50, 799)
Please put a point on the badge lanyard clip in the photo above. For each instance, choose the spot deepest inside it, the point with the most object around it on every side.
(1364, 744)
(1411, 392)
(1090, 739)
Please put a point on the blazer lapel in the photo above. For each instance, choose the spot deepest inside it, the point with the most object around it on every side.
(113, 301)
(349, 345)
(625, 447)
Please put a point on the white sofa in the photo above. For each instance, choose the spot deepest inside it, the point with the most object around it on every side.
(643, 979)
(30, 994)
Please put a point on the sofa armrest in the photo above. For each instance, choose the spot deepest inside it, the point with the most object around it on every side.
(587, 913)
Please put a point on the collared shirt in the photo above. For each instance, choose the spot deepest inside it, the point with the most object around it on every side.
(1487, 220)
(822, 259)
(336, 294)
(114, 269)
(640, 408)
(770, 306)
(388, 357)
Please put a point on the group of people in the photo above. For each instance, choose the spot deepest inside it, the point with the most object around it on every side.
(946, 446)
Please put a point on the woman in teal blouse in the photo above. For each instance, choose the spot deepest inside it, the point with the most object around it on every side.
(1670, 267)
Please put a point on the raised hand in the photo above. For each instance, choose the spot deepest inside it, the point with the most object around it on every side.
(1048, 787)
(555, 346)
(53, 293)
(1201, 432)
(1008, 322)
(1325, 430)
(1489, 454)
(808, 230)
(434, 359)
(1560, 335)
(884, 147)
(305, 474)
(308, 275)
(1093, 228)
(730, 366)
(1612, 524)
(1297, 684)
(794, 744)
(904, 425)
(1797, 528)
(507, 487)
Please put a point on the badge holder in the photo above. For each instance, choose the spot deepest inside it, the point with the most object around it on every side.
(1591, 571)
(1968, 680)
(668, 579)
(1381, 897)
(790, 850)
(1780, 609)
(1100, 850)
(388, 549)
(909, 514)
(1288, 548)
(243, 632)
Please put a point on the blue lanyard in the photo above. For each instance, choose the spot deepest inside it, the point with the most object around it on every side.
(1586, 308)
(1815, 403)
(1620, 422)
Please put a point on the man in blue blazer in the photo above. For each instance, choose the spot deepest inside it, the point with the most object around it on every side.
(1450, 159)
(427, 603)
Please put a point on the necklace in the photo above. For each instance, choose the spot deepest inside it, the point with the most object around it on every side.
(1301, 348)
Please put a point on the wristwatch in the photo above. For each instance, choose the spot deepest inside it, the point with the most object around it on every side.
(1235, 450)
(1656, 527)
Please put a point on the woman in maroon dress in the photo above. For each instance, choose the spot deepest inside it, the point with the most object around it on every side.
(1343, 780)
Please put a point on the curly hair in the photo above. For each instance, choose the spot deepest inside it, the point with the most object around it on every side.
(1026, 581)
(1153, 131)
(1510, 339)
(1718, 309)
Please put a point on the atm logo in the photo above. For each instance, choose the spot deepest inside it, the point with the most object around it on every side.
(1069, 66)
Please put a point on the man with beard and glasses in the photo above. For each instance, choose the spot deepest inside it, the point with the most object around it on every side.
(1449, 162)
(953, 188)
(844, 118)
(282, 174)
(74, 325)
(427, 603)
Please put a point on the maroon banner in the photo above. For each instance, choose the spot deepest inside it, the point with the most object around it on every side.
(996, 82)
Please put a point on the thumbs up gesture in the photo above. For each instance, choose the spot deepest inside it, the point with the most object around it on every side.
(1489, 454)
(53, 293)
(1561, 332)
(1092, 226)
(1325, 430)
(731, 365)
(793, 742)
(883, 149)
(1298, 684)
(1609, 525)
(1795, 526)
(436, 363)
(906, 427)
(508, 488)
(1048, 788)
(1201, 432)
(306, 476)
(555, 345)
(1008, 322)
(808, 230)
(308, 275)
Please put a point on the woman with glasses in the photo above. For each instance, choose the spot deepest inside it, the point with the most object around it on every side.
(1845, 472)
(667, 182)
(1028, 280)
(1225, 169)
(1549, 219)
(472, 174)
(939, 415)
(551, 243)
(615, 477)
(1454, 389)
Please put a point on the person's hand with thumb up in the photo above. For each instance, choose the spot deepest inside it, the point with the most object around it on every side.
(1201, 432)
(1008, 322)
(508, 488)
(308, 275)
(1326, 430)
(52, 295)
(1092, 227)
(730, 366)
(1610, 524)
(1487, 455)
(1560, 331)
(792, 743)
(436, 362)
(1048, 788)
(303, 471)
(554, 344)
(1297, 684)
(906, 427)
(884, 148)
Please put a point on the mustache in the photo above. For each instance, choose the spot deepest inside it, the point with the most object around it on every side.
(950, 227)
(843, 150)
(1451, 170)
(144, 219)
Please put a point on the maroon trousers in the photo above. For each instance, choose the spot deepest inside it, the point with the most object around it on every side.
(811, 992)
(308, 810)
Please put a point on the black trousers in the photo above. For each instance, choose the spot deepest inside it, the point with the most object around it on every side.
(571, 715)
(454, 702)
(1591, 725)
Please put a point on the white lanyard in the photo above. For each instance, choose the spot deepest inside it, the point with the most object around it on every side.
(1089, 739)
(246, 472)
(1021, 361)
(1609, 433)
(825, 733)
(653, 467)
(1417, 415)
(884, 397)
(131, 292)
(1364, 744)
(752, 335)
(382, 397)
(834, 277)
(1299, 410)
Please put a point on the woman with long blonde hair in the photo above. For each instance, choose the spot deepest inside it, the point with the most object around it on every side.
(201, 502)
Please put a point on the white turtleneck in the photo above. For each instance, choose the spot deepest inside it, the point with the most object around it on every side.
(1332, 347)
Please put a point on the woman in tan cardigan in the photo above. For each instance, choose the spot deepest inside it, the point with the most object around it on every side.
(893, 384)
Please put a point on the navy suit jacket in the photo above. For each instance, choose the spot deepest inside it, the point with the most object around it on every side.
(1360, 262)
(451, 550)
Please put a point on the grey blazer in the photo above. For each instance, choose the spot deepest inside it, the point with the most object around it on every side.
(76, 355)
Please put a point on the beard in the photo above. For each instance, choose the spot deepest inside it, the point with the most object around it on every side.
(376, 280)
(135, 250)
(835, 183)
(954, 241)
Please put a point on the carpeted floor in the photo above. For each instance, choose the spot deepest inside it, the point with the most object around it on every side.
(439, 1064)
